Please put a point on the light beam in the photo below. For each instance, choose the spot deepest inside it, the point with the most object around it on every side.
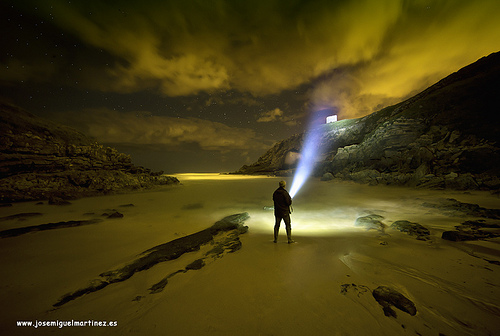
(310, 151)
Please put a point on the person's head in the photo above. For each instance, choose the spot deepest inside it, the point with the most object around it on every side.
(282, 184)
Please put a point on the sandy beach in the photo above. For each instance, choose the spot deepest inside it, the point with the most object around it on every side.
(321, 285)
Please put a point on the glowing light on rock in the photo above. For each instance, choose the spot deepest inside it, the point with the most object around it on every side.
(332, 118)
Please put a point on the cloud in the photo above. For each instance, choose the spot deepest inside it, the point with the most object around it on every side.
(16, 70)
(183, 48)
(429, 41)
(360, 54)
(277, 115)
(273, 115)
(142, 128)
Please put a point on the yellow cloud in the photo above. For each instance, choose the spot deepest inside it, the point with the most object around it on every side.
(142, 128)
(387, 48)
(277, 115)
(419, 50)
(272, 115)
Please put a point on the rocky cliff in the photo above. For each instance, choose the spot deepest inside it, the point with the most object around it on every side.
(447, 136)
(42, 160)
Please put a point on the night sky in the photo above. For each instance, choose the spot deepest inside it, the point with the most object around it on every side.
(206, 86)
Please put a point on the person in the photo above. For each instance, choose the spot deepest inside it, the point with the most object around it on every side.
(282, 203)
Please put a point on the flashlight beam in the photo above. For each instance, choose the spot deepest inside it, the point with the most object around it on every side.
(310, 151)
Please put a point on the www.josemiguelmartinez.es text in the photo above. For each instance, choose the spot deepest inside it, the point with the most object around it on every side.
(66, 323)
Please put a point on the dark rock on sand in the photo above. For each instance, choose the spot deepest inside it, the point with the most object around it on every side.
(351, 287)
(229, 228)
(473, 230)
(388, 297)
(115, 214)
(196, 265)
(43, 227)
(458, 236)
(452, 207)
(20, 216)
(53, 200)
(371, 222)
(413, 229)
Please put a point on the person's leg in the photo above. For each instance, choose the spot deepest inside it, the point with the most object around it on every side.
(276, 228)
(288, 226)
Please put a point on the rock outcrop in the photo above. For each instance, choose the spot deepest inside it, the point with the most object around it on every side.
(473, 230)
(413, 229)
(42, 160)
(223, 237)
(371, 222)
(447, 136)
(388, 297)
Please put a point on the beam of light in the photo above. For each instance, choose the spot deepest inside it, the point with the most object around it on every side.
(310, 151)
(310, 222)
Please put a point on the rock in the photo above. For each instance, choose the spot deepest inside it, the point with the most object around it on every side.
(388, 297)
(351, 287)
(413, 229)
(275, 159)
(224, 234)
(43, 227)
(196, 265)
(43, 160)
(115, 214)
(451, 206)
(230, 223)
(457, 236)
(371, 222)
(368, 176)
(58, 201)
(20, 216)
(473, 230)
(327, 177)
(461, 182)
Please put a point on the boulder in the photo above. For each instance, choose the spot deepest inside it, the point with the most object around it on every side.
(388, 297)
(458, 236)
(451, 206)
(473, 230)
(413, 229)
(327, 177)
(371, 222)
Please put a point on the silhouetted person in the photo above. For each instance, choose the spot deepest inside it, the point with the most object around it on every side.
(282, 203)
